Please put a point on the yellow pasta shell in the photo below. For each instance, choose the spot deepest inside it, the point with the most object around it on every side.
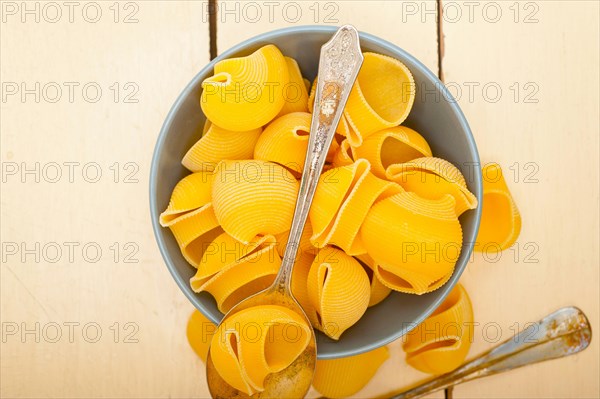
(378, 290)
(441, 343)
(285, 141)
(340, 206)
(394, 145)
(199, 333)
(415, 242)
(190, 193)
(500, 218)
(382, 97)
(343, 155)
(218, 144)
(305, 246)
(253, 197)
(299, 286)
(338, 289)
(245, 93)
(295, 92)
(254, 343)
(433, 178)
(340, 378)
(234, 281)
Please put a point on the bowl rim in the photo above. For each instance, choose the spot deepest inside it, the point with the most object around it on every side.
(392, 48)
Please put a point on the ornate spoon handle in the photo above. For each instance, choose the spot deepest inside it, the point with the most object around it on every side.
(340, 61)
(564, 332)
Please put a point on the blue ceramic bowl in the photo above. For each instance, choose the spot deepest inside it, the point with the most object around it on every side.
(435, 115)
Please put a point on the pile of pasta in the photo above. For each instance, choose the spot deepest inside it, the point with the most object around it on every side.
(384, 216)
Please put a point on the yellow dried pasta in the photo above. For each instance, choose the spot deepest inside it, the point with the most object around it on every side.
(343, 155)
(199, 333)
(500, 218)
(382, 97)
(338, 289)
(299, 286)
(433, 178)
(340, 378)
(218, 144)
(295, 92)
(415, 242)
(343, 198)
(285, 141)
(394, 145)
(441, 343)
(231, 271)
(253, 197)
(378, 290)
(246, 93)
(245, 363)
(190, 215)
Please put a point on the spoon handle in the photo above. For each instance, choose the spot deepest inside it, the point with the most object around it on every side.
(340, 61)
(562, 333)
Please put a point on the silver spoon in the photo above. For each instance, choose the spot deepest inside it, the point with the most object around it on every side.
(340, 61)
(565, 332)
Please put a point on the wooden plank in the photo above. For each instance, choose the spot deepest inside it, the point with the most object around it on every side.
(408, 24)
(147, 61)
(543, 129)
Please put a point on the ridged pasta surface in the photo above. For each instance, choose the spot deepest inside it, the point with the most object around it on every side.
(500, 218)
(295, 92)
(218, 144)
(338, 289)
(245, 363)
(433, 178)
(441, 343)
(253, 197)
(415, 242)
(246, 93)
(340, 378)
(231, 271)
(391, 146)
(382, 97)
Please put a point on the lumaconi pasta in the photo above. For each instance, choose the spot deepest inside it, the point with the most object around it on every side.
(245, 363)
(382, 97)
(252, 268)
(190, 215)
(339, 378)
(252, 198)
(246, 93)
(218, 144)
(378, 291)
(433, 178)
(338, 289)
(295, 92)
(343, 197)
(199, 333)
(391, 146)
(500, 218)
(448, 346)
(376, 224)
(414, 255)
(285, 141)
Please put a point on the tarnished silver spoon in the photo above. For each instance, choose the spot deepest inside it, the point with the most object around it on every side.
(562, 333)
(340, 61)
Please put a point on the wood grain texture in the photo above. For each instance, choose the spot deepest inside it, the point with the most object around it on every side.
(553, 140)
(547, 143)
(159, 54)
(398, 22)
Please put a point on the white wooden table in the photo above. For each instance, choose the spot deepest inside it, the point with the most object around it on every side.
(88, 309)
